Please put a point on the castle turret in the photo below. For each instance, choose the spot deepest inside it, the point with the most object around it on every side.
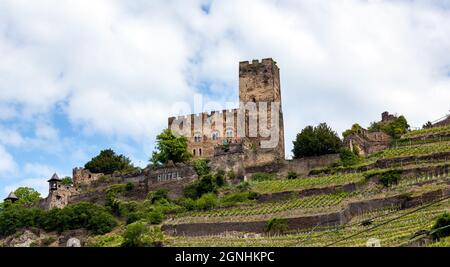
(53, 182)
(12, 197)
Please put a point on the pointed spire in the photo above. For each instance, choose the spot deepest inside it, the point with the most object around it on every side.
(12, 197)
(54, 178)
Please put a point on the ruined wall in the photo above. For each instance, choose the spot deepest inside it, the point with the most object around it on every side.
(59, 198)
(83, 177)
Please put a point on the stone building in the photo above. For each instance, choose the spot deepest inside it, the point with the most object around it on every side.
(58, 195)
(256, 123)
(366, 142)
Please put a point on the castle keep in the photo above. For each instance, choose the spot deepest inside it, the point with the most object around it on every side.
(256, 123)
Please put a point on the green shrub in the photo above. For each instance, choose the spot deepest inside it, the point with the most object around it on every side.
(206, 202)
(187, 203)
(261, 176)
(201, 167)
(292, 175)
(155, 217)
(139, 235)
(243, 186)
(206, 184)
(390, 177)
(349, 158)
(276, 225)
(441, 222)
(161, 194)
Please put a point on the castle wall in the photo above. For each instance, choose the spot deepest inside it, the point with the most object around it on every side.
(83, 177)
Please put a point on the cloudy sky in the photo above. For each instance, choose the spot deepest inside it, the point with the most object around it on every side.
(80, 76)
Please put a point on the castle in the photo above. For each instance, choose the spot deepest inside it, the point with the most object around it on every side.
(246, 140)
(257, 123)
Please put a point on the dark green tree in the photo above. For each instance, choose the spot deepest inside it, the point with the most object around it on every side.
(316, 141)
(108, 162)
(170, 148)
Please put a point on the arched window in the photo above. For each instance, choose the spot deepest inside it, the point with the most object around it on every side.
(197, 137)
(194, 152)
(215, 135)
(199, 151)
(229, 133)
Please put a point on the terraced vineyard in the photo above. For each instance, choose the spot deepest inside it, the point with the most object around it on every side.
(306, 203)
(416, 150)
(305, 183)
(396, 233)
(429, 131)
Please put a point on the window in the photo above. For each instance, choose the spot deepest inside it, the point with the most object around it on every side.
(194, 152)
(229, 133)
(199, 151)
(197, 138)
(215, 135)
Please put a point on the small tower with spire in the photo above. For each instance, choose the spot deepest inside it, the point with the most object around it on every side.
(54, 182)
(12, 197)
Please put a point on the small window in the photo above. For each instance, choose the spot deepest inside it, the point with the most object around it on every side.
(215, 135)
(199, 151)
(194, 152)
(197, 138)
(229, 133)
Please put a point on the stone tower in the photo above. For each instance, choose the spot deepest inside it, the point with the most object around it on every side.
(260, 82)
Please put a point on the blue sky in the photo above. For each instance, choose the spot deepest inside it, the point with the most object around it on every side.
(80, 76)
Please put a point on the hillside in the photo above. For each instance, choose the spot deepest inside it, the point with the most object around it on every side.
(392, 197)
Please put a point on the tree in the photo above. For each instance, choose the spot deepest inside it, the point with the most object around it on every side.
(27, 195)
(108, 162)
(316, 141)
(395, 128)
(170, 148)
(67, 180)
(356, 128)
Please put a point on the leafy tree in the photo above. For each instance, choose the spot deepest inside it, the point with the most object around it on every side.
(356, 128)
(27, 195)
(67, 180)
(316, 141)
(170, 148)
(395, 128)
(201, 167)
(108, 162)
(206, 184)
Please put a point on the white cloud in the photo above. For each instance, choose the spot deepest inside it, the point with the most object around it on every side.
(38, 184)
(117, 71)
(7, 164)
